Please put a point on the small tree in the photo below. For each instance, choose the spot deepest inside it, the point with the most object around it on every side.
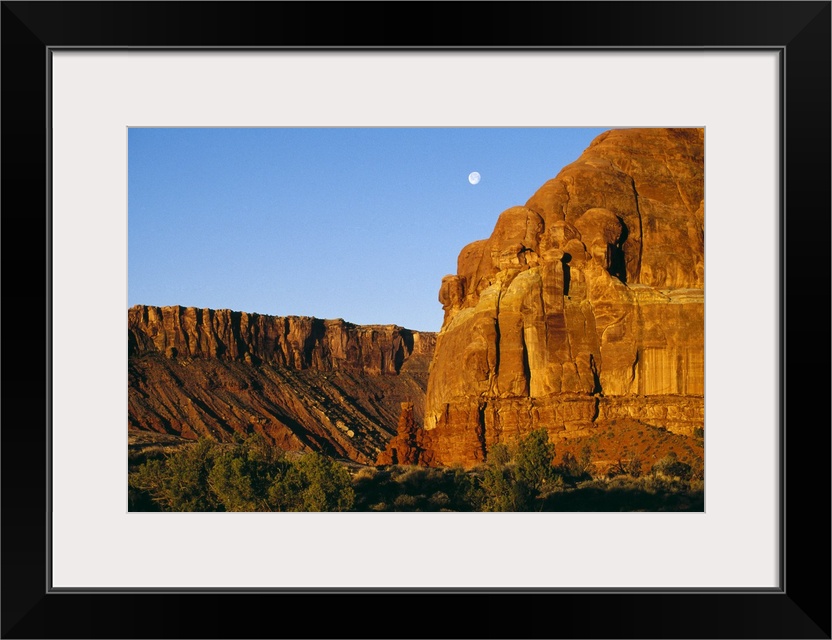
(534, 460)
(313, 483)
(241, 477)
(231, 482)
(501, 491)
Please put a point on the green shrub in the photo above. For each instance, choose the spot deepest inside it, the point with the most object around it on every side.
(440, 500)
(671, 467)
(253, 476)
(240, 478)
(405, 502)
(501, 491)
(534, 460)
(180, 481)
(313, 483)
(515, 476)
(466, 490)
(499, 454)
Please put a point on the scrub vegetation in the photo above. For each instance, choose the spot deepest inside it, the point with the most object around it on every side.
(253, 475)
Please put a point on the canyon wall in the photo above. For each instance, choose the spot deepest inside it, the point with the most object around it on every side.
(304, 383)
(584, 305)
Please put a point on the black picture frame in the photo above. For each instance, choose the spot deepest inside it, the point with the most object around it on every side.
(799, 31)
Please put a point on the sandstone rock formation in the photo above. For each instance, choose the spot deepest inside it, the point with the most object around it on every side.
(584, 305)
(305, 383)
(405, 447)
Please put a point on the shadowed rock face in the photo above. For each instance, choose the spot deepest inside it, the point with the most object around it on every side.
(584, 305)
(305, 383)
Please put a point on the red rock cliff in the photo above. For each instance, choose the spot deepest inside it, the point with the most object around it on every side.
(294, 341)
(584, 305)
(305, 383)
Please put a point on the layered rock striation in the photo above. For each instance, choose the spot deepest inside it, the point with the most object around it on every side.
(305, 383)
(296, 342)
(584, 305)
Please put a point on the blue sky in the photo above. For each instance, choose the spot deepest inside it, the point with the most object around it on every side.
(360, 224)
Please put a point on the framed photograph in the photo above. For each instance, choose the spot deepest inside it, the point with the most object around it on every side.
(82, 80)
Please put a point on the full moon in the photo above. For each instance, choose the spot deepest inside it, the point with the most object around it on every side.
(473, 177)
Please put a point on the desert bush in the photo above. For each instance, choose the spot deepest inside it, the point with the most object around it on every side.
(405, 502)
(515, 476)
(534, 460)
(556, 485)
(179, 482)
(313, 483)
(670, 466)
(440, 500)
(502, 491)
(634, 467)
(697, 470)
(573, 469)
(365, 474)
(231, 484)
(418, 479)
(499, 454)
(631, 466)
(409, 488)
(240, 478)
(252, 476)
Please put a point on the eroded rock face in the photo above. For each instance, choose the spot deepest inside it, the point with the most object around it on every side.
(297, 342)
(405, 448)
(584, 304)
(305, 383)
